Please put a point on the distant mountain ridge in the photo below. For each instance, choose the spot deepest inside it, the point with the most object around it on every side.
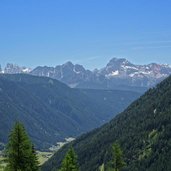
(117, 73)
(14, 69)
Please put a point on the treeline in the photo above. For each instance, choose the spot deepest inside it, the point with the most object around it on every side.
(70, 162)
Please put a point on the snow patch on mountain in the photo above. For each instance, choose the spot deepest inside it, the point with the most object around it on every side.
(118, 71)
(15, 69)
(113, 74)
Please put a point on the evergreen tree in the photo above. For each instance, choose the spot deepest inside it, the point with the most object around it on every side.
(70, 161)
(20, 151)
(35, 162)
(118, 157)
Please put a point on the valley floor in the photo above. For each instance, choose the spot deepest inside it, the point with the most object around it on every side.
(2, 163)
(43, 156)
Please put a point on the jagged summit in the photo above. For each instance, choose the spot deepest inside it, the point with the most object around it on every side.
(14, 69)
(118, 72)
(68, 64)
(118, 60)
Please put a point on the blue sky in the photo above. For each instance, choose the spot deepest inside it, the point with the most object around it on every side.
(88, 32)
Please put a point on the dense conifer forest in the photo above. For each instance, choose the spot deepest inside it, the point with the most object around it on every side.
(142, 130)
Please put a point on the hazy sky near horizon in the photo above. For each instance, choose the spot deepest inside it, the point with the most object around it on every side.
(88, 32)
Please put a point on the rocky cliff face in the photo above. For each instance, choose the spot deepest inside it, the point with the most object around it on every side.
(15, 69)
(117, 73)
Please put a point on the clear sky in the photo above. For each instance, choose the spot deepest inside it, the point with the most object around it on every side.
(88, 32)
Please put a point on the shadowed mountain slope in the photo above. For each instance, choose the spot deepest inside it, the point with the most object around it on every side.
(51, 111)
(143, 131)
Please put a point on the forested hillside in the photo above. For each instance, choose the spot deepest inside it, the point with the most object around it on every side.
(51, 111)
(143, 130)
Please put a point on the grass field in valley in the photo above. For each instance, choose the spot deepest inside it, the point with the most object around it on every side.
(2, 163)
(42, 157)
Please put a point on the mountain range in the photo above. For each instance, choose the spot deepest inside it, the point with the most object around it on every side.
(119, 73)
(51, 111)
(14, 69)
(142, 130)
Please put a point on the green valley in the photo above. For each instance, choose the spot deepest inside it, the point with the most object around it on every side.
(51, 111)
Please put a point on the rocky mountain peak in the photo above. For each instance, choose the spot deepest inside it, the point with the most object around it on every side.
(119, 71)
(68, 64)
(14, 69)
(79, 68)
(118, 62)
